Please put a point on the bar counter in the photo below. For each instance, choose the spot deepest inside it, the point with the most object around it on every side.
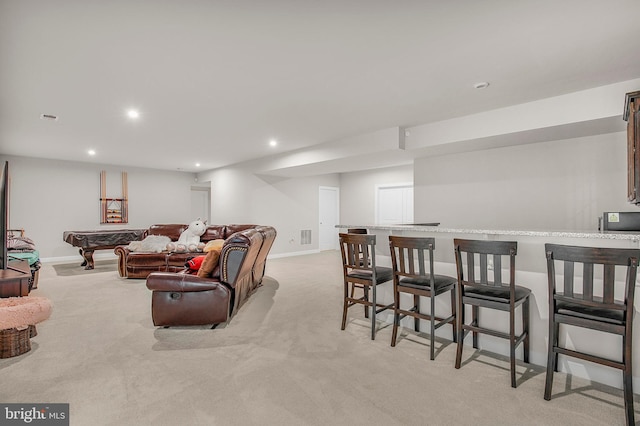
(531, 272)
(631, 236)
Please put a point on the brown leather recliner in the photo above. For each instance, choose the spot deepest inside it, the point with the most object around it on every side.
(183, 299)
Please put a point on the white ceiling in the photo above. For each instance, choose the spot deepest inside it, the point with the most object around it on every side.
(216, 80)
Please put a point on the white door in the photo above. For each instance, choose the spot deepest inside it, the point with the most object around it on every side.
(394, 204)
(329, 216)
(200, 203)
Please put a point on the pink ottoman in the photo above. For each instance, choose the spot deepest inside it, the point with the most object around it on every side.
(18, 317)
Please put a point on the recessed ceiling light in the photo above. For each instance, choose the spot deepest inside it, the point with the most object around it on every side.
(197, 164)
(133, 114)
(481, 85)
(273, 142)
(91, 152)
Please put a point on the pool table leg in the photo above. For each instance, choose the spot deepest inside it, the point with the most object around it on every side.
(87, 255)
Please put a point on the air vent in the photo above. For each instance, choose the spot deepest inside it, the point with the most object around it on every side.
(50, 117)
(305, 236)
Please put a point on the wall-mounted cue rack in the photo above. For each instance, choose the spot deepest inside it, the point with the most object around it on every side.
(113, 210)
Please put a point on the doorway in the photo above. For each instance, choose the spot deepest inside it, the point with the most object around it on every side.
(201, 203)
(329, 217)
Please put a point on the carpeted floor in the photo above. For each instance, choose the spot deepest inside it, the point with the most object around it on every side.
(282, 360)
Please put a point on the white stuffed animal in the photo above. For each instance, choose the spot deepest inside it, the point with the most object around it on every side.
(190, 238)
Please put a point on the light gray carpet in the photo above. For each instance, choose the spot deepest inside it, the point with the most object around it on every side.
(282, 360)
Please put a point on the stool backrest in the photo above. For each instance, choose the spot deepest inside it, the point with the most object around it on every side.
(598, 266)
(358, 251)
(483, 251)
(410, 256)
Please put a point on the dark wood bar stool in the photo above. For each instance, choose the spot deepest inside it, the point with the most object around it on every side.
(412, 264)
(486, 293)
(580, 303)
(360, 271)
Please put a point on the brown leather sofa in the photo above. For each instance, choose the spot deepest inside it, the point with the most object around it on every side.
(181, 299)
(140, 264)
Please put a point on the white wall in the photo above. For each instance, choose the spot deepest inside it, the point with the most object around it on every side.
(558, 185)
(50, 197)
(358, 192)
(288, 204)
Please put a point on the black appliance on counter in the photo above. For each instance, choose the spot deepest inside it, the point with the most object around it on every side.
(620, 221)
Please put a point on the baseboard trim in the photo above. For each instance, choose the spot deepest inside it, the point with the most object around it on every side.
(293, 253)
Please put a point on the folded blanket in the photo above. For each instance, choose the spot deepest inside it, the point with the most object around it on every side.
(32, 256)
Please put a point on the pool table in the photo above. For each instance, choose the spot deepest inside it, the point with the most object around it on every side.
(90, 241)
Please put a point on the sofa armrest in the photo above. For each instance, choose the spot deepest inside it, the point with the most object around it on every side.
(171, 281)
(184, 299)
(122, 252)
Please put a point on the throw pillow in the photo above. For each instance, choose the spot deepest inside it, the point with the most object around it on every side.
(213, 245)
(209, 263)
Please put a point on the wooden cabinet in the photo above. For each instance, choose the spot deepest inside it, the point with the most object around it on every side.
(14, 281)
(632, 117)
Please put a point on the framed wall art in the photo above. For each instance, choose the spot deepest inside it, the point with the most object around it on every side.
(113, 210)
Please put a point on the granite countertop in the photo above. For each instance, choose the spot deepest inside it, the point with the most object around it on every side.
(634, 236)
